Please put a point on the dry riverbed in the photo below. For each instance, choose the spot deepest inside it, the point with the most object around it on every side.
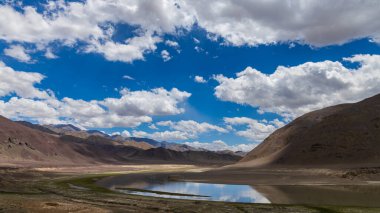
(50, 189)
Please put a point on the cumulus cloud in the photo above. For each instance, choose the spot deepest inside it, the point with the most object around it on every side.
(126, 134)
(21, 108)
(292, 91)
(317, 22)
(129, 110)
(132, 49)
(173, 44)
(191, 126)
(91, 24)
(153, 126)
(157, 101)
(18, 52)
(219, 145)
(165, 55)
(49, 54)
(163, 136)
(180, 130)
(255, 130)
(199, 79)
(20, 83)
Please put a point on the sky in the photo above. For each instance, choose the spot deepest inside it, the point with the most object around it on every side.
(212, 74)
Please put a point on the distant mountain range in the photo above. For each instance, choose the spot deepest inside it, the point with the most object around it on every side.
(345, 135)
(143, 143)
(27, 143)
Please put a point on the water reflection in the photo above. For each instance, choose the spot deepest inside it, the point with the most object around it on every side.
(340, 195)
(200, 191)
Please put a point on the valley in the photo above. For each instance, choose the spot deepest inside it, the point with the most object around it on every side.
(64, 168)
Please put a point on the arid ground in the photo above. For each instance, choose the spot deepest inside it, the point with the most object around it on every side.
(76, 189)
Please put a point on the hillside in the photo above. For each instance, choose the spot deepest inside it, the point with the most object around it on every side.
(19, 143)
(30, 144)
(347, 134)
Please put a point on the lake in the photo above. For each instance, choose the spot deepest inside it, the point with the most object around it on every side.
(198, 191)
(156, 186)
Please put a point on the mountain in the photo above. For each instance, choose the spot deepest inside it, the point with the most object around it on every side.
(38, 127)
(143, 143)
(346, 134)
(152, 142)
(97, 133)
(192, 157)
(157, 144)
(25, 143)
(19, 143)
(69, 129)
(62, 128)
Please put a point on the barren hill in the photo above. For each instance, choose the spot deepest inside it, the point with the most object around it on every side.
(347, 134)
(28, 144)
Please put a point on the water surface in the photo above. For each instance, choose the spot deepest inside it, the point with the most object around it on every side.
(162, 186)
(199, 191)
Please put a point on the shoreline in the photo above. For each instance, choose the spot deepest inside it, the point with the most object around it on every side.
(51, 192)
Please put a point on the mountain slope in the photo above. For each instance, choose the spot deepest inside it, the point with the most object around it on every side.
(21, 144)
(346, 134)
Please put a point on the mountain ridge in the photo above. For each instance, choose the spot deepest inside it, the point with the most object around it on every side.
(345, 134)
(19, 143)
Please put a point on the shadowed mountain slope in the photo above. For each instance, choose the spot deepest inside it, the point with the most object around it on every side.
(345, 134)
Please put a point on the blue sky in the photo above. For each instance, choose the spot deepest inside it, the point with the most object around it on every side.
(223, 111)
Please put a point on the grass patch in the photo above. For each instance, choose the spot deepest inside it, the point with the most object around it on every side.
(85, 182)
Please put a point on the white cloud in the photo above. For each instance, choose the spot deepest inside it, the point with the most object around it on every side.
(255, 130)
(152, 126)
(192, 127)
(125, 133)
(173, 44)
(49, 54)
(198, 49)
(93, 22)
(18, 52)
(20, 83)
(128, 77)
(130, 110)
(180, 130)
(109, 120)
(316, 22)
(220, 145)
(199, 79)
(165, 55)
(133, 48)
(163, 136)
(292, 91)
(158, 101)
(115, 133)
(26, 108)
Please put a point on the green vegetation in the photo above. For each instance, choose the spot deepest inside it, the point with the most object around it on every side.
(87, 182)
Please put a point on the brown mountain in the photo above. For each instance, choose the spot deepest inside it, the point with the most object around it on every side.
(346, 134)
(19, 143)
(26, 144)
